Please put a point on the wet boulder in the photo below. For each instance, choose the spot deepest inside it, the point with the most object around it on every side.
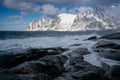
(112, 72)
(104, 44)
(111, 36)
(32, 54)
(39, 76)
(79, 52)
(108, 49)
(4, 58)
(78, 69)
(52, 66)
(75, 45)
(92, 38)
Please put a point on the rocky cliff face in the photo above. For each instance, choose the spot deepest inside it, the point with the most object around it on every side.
(100, 18)
(62, 22)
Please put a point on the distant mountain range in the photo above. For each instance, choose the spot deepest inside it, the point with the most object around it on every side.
(100, 18)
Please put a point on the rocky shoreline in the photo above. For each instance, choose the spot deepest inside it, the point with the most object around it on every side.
(53, 64)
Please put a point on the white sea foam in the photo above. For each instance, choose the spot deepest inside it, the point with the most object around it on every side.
(42, 42)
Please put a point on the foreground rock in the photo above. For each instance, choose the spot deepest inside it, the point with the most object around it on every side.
(92, 38)
(4, 58)
(25, 77)
(79, 51)
(108, 49)
(104, 44)
(31, 54)
(112, 36)
(112, 72)
(55, 67)
(78, 69)
(47, 68)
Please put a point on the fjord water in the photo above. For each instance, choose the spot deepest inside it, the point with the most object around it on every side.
(14, 42)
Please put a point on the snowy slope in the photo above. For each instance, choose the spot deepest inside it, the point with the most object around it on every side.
(67, 19)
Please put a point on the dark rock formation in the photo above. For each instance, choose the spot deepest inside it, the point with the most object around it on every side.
(91, 38)
(78, 69)
(52, 67)
(107, 44)
(111, 72)
(108, 49)
(26, 77)
(75, 45)
(31, 54)
(112, 36)
(4, 58)
(114, 72)
(80, 51)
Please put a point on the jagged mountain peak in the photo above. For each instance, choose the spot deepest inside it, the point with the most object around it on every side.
(100, 18)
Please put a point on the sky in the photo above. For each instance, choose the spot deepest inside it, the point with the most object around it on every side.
(15, 15)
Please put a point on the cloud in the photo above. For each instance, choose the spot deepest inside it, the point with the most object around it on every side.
(51, 10)
(97, 2)
(31, 4)
(20, 5)
(35, 5)
(75, 2)
(54, 2)
(63, 2)
(78, 10)
(30, 7)
(50, 7)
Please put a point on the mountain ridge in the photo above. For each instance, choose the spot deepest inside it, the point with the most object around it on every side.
(100, 18)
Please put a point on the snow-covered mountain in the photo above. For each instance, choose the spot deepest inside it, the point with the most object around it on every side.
(100, 18)
(62, 22)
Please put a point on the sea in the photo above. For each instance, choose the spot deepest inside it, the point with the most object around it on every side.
(15, 42)
(33, 34)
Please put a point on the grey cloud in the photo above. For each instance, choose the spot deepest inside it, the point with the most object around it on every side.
(75, 2)
(20, 5)
(80, 2)
(31, 7)
(35, 4)
(49, 8)
(56, 2)
(77, 10)
(98, 2)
